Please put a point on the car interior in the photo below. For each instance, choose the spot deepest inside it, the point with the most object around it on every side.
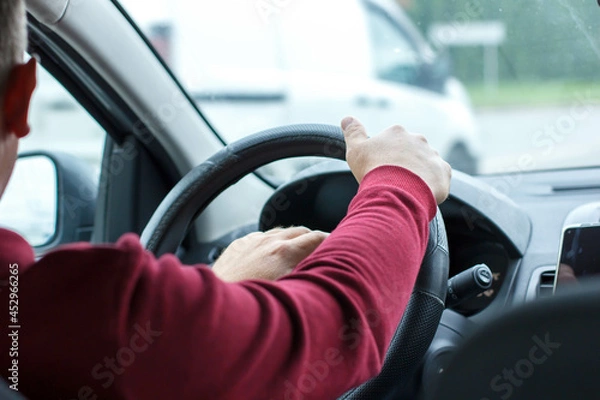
(484, 320)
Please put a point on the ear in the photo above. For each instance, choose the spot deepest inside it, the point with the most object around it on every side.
(20, 85)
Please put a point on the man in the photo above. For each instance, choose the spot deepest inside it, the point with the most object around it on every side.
(114, 322)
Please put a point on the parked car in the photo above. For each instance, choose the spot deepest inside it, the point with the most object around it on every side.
(305, 64)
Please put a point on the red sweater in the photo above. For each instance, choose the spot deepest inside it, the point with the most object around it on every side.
(113, 322)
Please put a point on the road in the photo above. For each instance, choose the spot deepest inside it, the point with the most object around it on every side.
(519, 139)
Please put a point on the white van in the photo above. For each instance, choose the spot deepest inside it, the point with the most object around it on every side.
(254, 55)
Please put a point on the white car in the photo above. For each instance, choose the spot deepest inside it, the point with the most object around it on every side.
(295, 63)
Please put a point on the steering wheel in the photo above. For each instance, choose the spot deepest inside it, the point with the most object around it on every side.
(172, 219)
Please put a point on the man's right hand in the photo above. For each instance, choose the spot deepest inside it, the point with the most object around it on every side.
(396, 146)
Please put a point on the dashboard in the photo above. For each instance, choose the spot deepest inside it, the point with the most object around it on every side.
(513, 228)
(510, 222)
(319, 197)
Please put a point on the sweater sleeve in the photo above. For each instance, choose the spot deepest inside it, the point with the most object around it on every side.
(154, 329)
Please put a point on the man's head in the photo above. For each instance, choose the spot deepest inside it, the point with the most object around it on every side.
(17, 81)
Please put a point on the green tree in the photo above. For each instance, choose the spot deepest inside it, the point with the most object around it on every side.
(546, 39)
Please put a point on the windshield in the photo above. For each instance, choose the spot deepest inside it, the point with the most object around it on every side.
(500, 86)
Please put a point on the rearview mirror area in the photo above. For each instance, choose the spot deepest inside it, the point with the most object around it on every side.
(29, 205)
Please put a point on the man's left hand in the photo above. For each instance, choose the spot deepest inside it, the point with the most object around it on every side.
(267, 255)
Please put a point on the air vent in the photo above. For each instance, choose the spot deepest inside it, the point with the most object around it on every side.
(546, 284)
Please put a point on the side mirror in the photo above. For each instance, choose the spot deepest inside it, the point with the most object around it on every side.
(29, 205)
(50, 200)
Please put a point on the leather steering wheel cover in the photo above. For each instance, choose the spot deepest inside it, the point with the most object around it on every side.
(418, 325)
(169, 223)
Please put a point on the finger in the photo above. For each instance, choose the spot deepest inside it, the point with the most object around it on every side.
(277, 231)
(274, 230)
(354, 131)
(253, 237)
(291, 233)
(308, 242)
(396, 131)
(253, 234)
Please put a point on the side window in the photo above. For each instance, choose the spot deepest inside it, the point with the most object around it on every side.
(59, 124)
(394, 57)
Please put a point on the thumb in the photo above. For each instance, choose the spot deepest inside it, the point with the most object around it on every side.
(354, 131)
